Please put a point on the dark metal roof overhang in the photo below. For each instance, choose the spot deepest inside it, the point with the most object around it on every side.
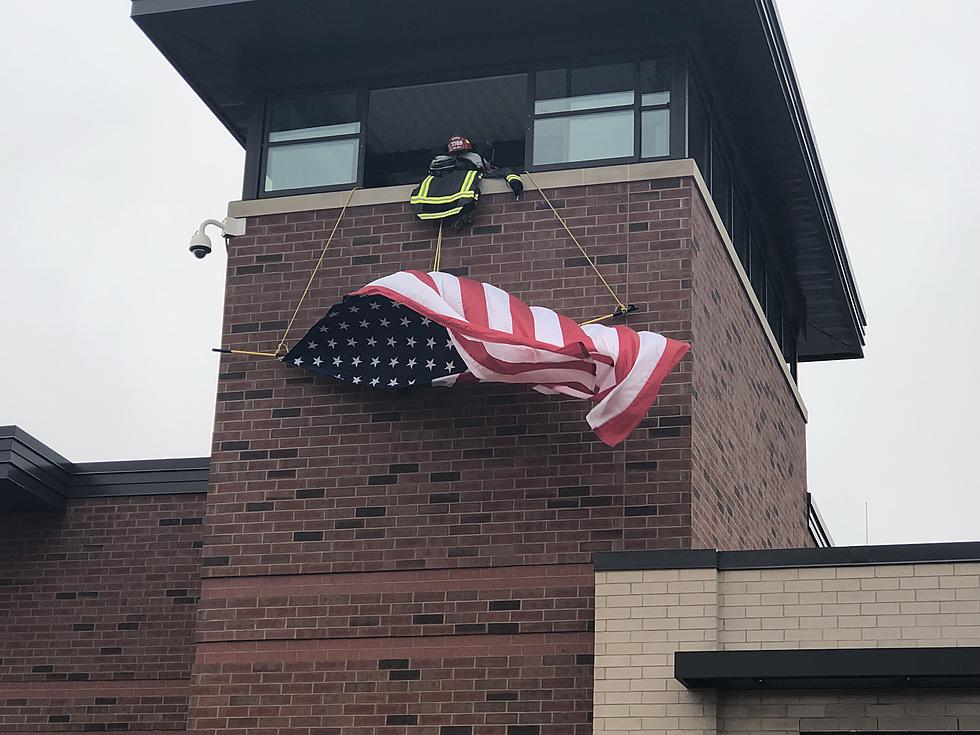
(34, 478)
(858, 668)
(230, 50)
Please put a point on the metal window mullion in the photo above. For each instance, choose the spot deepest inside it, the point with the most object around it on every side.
(363, 107)
(532, 80)
(320, 139)
(637, 109)
(587, 111)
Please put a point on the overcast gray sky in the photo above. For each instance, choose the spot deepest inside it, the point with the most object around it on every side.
(109, 162)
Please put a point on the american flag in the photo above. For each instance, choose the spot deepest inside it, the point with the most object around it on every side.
(414, 329)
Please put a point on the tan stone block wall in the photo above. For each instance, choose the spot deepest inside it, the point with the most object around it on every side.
(890, 606)
(643, 617)
(793, 713)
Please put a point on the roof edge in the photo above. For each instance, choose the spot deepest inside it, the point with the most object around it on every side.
(835, 556)
(786, 73)
(33, 477)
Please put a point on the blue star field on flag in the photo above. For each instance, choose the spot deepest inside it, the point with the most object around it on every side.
(375, 342)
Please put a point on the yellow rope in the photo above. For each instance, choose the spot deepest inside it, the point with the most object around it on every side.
(437, 260)
(285, 335)
(597, 319)
(578, 244)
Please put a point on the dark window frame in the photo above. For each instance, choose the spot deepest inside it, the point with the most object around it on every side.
(678, 57)
(677, 123)
(361, 100)
(758, 255)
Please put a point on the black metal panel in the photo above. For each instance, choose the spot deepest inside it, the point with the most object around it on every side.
(856, 668)
(144, 7)
(146, 477)
(967, 551)
(621, 561)
(34, 478)
(816, 525)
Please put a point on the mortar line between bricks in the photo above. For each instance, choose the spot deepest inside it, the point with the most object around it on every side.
(493, 567)
(78, 688)
(201, 642)
(401, 647)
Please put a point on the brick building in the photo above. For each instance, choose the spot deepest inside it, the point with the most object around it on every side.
(357, 561)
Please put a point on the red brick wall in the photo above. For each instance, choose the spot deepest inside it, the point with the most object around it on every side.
(98, 614)
(749, 479)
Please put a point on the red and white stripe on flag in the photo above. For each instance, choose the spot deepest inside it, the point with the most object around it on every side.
(503, 340)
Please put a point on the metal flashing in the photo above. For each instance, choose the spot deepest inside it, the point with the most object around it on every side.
(848, 668)
(939, 553)
(35, 478)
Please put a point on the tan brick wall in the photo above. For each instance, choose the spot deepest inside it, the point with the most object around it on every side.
(850, 607)
(784, 712)
(643, 617)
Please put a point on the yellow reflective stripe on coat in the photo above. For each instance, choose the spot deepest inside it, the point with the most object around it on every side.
(439, 215)
(444, 200)
(511, 177)
(464, 192)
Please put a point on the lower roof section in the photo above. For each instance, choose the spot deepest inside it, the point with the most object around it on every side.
(853, 668)
(34, 478)
(613, 561)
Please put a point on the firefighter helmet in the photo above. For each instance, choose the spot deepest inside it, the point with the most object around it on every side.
(458, 144)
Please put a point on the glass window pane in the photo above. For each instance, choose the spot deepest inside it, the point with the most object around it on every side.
(655, 82)
(305, 165)
(323, 131)
(757, 274)
(698, 135)
(583, 137)
(567, 90)
(405, 125)
(774, 310)
(655, 135)
(312, 117)
(790, 345)
(740, 233)
(721, 185)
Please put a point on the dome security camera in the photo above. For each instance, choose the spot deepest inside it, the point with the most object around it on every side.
(201, 243)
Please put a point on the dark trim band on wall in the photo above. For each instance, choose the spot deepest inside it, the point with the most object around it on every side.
(967, 551)
(851, 668)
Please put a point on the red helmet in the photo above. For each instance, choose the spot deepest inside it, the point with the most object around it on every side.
(458, 144)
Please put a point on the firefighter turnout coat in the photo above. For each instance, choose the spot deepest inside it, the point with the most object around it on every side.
(452, 188)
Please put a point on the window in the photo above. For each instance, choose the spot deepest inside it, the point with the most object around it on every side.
(655, 109)
(594, 113)
(740, 232)
(790, 347)
(584, 114)
(721, 184)
(406, 126)
(757, 271)
(774, 312)
(312, 142)
(699, 135)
